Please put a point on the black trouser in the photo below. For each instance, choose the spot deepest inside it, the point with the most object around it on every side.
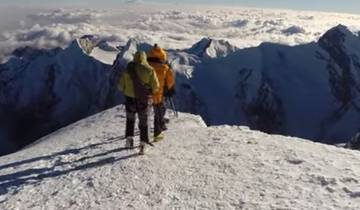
(134, 106)
(159, 122)
(163, 113)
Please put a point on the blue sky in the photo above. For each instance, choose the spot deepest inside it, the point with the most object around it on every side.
(351, 6)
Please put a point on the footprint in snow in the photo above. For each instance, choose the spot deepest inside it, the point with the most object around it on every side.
(349, 180)
(352, 194)
(294, 161)
(323, 181)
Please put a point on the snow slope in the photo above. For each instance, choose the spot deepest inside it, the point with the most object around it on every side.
(84, 166)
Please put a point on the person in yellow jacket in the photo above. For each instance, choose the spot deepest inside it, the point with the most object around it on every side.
(157, 58)
(138, 83)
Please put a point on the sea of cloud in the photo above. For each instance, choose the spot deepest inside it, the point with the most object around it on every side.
(172, 27)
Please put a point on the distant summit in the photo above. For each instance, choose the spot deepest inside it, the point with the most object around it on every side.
(211, 48)
(88, 43)
(337, 34)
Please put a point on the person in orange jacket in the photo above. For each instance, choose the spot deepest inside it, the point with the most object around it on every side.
(157, 58)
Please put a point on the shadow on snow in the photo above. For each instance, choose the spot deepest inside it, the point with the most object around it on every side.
(60, 168)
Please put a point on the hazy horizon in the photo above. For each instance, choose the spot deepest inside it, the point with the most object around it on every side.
(351, 6)
(173, 26)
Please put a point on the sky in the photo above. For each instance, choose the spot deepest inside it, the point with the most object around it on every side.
(348, 6)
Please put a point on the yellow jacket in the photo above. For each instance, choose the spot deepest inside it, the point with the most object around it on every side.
(157, 58)
(145, 73)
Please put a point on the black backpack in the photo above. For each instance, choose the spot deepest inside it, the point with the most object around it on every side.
(142, 92)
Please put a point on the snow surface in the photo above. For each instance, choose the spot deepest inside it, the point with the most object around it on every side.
(84, 166)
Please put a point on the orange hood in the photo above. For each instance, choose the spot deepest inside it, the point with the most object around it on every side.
(159, 53)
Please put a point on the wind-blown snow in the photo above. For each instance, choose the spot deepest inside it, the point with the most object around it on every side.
(171, 27)
(84, 166)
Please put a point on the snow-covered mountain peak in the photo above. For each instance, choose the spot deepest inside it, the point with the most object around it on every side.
(338, 36)
(212, 48)
(97, 48)
(85, 166)
(200, 47)
(340, 29)
(127, 52)
(343, 46)
(88, 43)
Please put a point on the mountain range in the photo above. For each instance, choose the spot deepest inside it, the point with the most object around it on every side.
(309, 91)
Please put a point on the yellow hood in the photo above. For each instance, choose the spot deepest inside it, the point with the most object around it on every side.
(140, 57)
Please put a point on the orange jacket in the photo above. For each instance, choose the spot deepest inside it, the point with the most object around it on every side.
(157, 58)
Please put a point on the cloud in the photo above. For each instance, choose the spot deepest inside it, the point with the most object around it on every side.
(66, 17)
(176, 29)
(51, 29)
(238, 23)
(294, 30)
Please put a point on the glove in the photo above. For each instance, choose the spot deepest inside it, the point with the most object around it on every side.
(169, 92)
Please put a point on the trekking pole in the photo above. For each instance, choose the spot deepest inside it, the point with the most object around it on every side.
(169, 104)
(173, 106)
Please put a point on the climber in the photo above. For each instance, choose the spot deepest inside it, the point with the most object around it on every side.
(138, 83)
(157, 58)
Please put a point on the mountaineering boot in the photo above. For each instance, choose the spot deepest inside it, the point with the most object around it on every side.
(129, 142)
(158, 137)
(142, 148)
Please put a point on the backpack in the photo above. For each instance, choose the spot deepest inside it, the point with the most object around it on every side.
(142, 92)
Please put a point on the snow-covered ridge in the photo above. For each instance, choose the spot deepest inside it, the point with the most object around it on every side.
(85, 166)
